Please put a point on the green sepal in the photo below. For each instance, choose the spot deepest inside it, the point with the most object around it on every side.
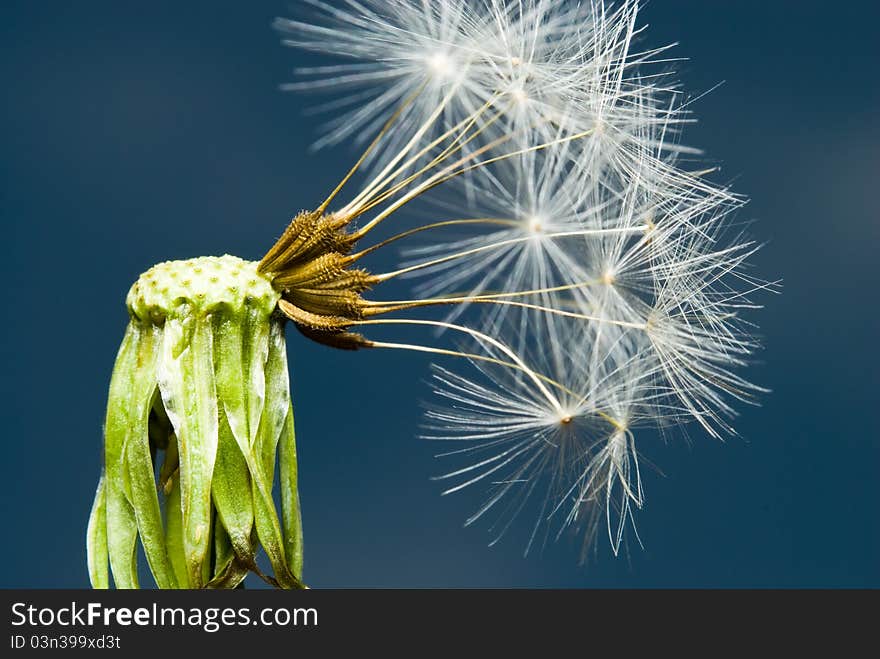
(133, 359)
(174, 532)
(246, 401)
(205, 565)
(223, 552)
(186, 380)
(244, 395)
(231, 576)
(255, 346)
(270, 429)
(277, 402)
(141, 487)
(228, 571)
(231, 488)
(291, 517)
(96, 539)
(232, 481)
(241, 354)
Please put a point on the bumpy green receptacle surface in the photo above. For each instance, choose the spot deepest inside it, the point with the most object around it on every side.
(200, 286)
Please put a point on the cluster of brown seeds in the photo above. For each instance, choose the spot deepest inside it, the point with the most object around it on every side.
(311, 266)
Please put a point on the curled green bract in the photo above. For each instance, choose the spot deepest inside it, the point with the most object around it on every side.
(198, 417)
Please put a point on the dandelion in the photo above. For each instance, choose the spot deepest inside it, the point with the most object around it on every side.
(584, 274)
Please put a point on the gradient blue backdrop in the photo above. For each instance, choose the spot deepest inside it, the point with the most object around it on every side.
(137, 132)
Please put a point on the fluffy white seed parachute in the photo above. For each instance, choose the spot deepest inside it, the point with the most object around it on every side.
(590, 266)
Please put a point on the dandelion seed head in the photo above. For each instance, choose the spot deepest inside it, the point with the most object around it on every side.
(589, 267)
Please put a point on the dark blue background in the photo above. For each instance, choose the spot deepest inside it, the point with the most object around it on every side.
(139, 132)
